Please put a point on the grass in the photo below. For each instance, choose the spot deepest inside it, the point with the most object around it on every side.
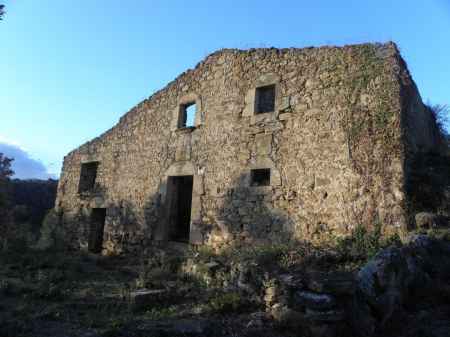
(339, 253)
(56, 286)
(227, 302)
(92, 292)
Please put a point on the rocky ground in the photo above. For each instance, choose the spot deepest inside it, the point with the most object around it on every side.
(404, 290)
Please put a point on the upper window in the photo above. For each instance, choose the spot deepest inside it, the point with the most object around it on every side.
(265, 99)
(187, 115)
(88, 176)
(260, 177)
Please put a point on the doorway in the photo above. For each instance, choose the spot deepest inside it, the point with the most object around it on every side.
(179, 192)
(96, 227)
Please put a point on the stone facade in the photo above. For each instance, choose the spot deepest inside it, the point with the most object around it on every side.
(344, 123)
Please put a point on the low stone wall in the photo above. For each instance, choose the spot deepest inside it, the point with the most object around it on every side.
(318, 303)
(372, 302)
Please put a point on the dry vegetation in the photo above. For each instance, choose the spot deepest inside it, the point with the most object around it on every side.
(51, 292)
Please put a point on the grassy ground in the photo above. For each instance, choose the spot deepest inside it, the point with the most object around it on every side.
(56, 293)
(51, 293)
(49, 286)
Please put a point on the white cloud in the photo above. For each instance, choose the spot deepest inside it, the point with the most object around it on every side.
(24, 166)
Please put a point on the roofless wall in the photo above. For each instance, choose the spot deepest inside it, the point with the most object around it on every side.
(252, 146)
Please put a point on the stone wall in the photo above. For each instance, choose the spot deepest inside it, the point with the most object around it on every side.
(334, 144)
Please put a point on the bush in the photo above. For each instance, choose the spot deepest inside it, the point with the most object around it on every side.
(157, 269)
(225, 303)
(162, 312)
(441, 117)
(363, 244)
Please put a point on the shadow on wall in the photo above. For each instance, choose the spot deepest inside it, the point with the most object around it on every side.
(242, 212)
(129, 228)
(245, 212)
(429, 184)
(116, 229)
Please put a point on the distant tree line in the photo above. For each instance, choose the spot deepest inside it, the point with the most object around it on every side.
(31, 199)
(23, 203)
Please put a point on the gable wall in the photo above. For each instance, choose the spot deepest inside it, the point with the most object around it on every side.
(316, 144)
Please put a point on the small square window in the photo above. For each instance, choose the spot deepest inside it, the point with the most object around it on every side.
(260, 177)
(88, 176)
(265, 99)
(187, 115)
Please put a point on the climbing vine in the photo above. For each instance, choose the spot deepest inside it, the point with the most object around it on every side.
(371, 122)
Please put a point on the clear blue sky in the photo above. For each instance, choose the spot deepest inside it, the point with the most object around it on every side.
(70, 69)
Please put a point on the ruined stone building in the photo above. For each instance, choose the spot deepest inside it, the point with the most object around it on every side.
(254, 146)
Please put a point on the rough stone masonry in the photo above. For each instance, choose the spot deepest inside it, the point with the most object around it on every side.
(254, 146)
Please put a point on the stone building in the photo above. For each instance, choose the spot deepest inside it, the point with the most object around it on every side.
(254, 146)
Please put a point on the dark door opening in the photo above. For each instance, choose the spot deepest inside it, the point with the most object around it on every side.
(96, 228)
(179, 191)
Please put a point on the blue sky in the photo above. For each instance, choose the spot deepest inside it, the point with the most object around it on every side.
(70, 69)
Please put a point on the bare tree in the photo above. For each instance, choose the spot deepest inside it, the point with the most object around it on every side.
(5, 212)
(441, 114)
(2, 11)
(5, 174)
(5, 167)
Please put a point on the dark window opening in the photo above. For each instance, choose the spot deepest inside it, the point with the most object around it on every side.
(180, 202)
(187, 115)
(96, 228)
(87, 176)
(265, 99)
(260, 177)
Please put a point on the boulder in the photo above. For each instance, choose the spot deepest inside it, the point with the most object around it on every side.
(291, 280)
(257, 319)
(396, 276)
(382, 281)
(287, 317)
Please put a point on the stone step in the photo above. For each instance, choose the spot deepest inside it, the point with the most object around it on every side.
(336, 283)
(143, 298)
(315, 301)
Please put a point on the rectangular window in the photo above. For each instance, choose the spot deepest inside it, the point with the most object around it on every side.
(187, 115)
(87, 176)
(260, 177)
(265, 99)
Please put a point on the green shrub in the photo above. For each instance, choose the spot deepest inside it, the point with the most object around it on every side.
(157, 269)
(363, 244)
(162, 312)
(225, 303)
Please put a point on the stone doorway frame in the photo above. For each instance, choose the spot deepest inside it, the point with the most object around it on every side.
(179, 204)
(184, 168)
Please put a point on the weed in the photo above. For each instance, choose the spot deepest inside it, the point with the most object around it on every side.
(363, 244)
(226, 303)
(162, 312)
